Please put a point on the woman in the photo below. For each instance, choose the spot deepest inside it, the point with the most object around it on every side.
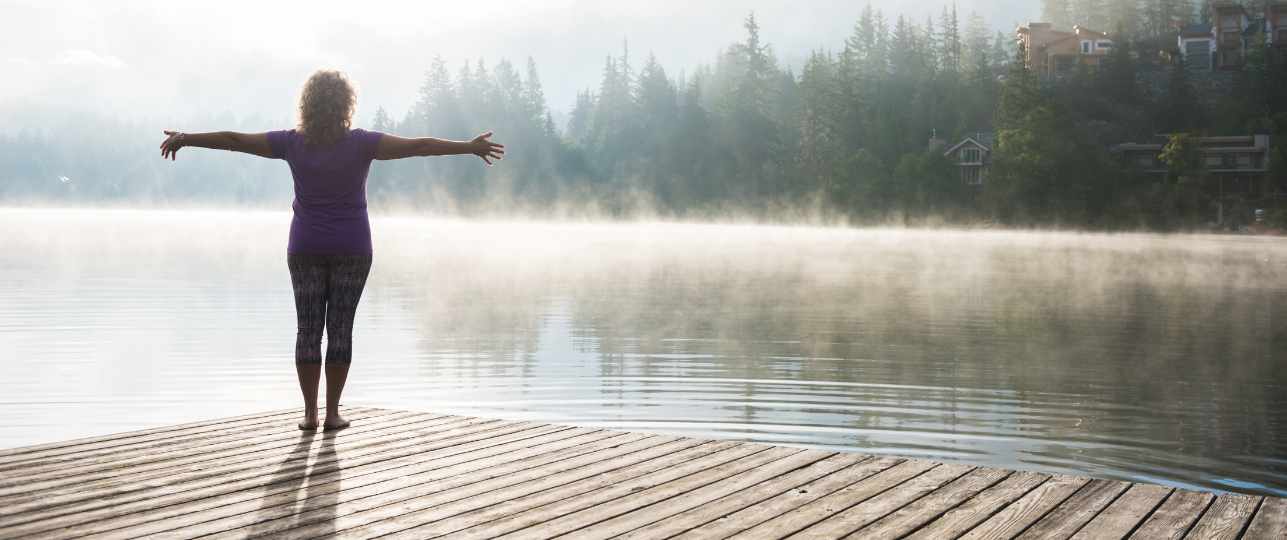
(329, 254)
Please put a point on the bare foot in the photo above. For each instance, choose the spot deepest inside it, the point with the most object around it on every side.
(335, 422)
(309, 423)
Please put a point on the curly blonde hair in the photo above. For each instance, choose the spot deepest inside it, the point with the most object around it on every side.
(326, 106)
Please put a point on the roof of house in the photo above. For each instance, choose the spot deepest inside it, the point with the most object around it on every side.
(983, 140)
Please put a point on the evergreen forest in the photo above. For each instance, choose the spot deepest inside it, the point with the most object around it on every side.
(842, 137)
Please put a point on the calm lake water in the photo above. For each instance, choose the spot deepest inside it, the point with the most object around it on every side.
(1134, 357)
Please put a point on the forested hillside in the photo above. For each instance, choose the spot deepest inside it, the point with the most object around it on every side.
(840, 137)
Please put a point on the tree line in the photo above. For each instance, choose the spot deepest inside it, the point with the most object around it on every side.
(843, 135)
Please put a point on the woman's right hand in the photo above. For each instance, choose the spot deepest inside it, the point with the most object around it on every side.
(486, 149)
(173, 142)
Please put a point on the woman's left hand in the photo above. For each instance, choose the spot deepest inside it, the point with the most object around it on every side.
(173, 142)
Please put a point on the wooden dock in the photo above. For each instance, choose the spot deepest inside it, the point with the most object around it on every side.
(398, 474)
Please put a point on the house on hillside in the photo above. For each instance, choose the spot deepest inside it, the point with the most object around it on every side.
(1221, 43)
(973, 155)
(1053, 52)
(1236, 164)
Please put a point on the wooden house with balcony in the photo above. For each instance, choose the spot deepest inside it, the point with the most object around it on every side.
(1232, 31)
(1054, 52)
(973, 155)
(1275, 24)
(1235, 164)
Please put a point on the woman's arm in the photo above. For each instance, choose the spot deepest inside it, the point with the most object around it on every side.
(248, 143)
(394, 147)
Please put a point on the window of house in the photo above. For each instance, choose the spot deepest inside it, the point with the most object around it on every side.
(1229, 36)
(972, 175)
(1085, 47)
(1282, 34)
(971, 155)
(1197, 54)
(1215, 161)
(1242, 159)
(1228, 57)
(1143, 161)
(1103, 44)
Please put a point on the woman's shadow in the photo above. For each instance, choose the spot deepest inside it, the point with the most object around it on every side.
(290, 486)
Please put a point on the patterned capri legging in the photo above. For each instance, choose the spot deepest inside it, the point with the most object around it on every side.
(327, 290)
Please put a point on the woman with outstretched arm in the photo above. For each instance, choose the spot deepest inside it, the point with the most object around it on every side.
(329, 253)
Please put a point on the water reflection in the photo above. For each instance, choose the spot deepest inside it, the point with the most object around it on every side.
(1130, 357)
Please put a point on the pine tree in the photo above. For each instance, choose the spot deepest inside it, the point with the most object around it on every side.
(950, 45)
(1021, 94)
(863, 41)
(753, 130)
(657, 102)
(533, 95)
(1056, 13)
(933, 61)
(848, 108)
(582, 110)
(905, 57)
(999, 55)
(381, 122)
(694, 141)
(813, 113)
(976, 39)
(1117, 72)
(470, 95)
(1088, 14)
(438, 108)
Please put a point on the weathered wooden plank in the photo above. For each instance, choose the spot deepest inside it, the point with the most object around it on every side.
(78, 456)
(1270, 522)
(108, 453)
(726, 526)
(153, 489)
(851, 519)
(649, 495)
(540, 507)
(907, 519)
(824, 507)
(958, 520)
(368, 438)
(1067, 518)
(1120, 518)
(1176, 515)
(179, 500)
(334, 492)
(1021, 514)
(79, 464)
(425, 520)
(680, 521)
(104, 469)
(1226, 517)
(14, 455)
(695, 497)
(291, 476)
(443, 494)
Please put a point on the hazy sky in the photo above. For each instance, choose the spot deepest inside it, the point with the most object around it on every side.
(169, 59)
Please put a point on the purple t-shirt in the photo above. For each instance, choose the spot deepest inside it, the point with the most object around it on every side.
(330, 192)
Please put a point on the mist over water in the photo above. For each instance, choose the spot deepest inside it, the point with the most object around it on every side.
(1136, 357)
